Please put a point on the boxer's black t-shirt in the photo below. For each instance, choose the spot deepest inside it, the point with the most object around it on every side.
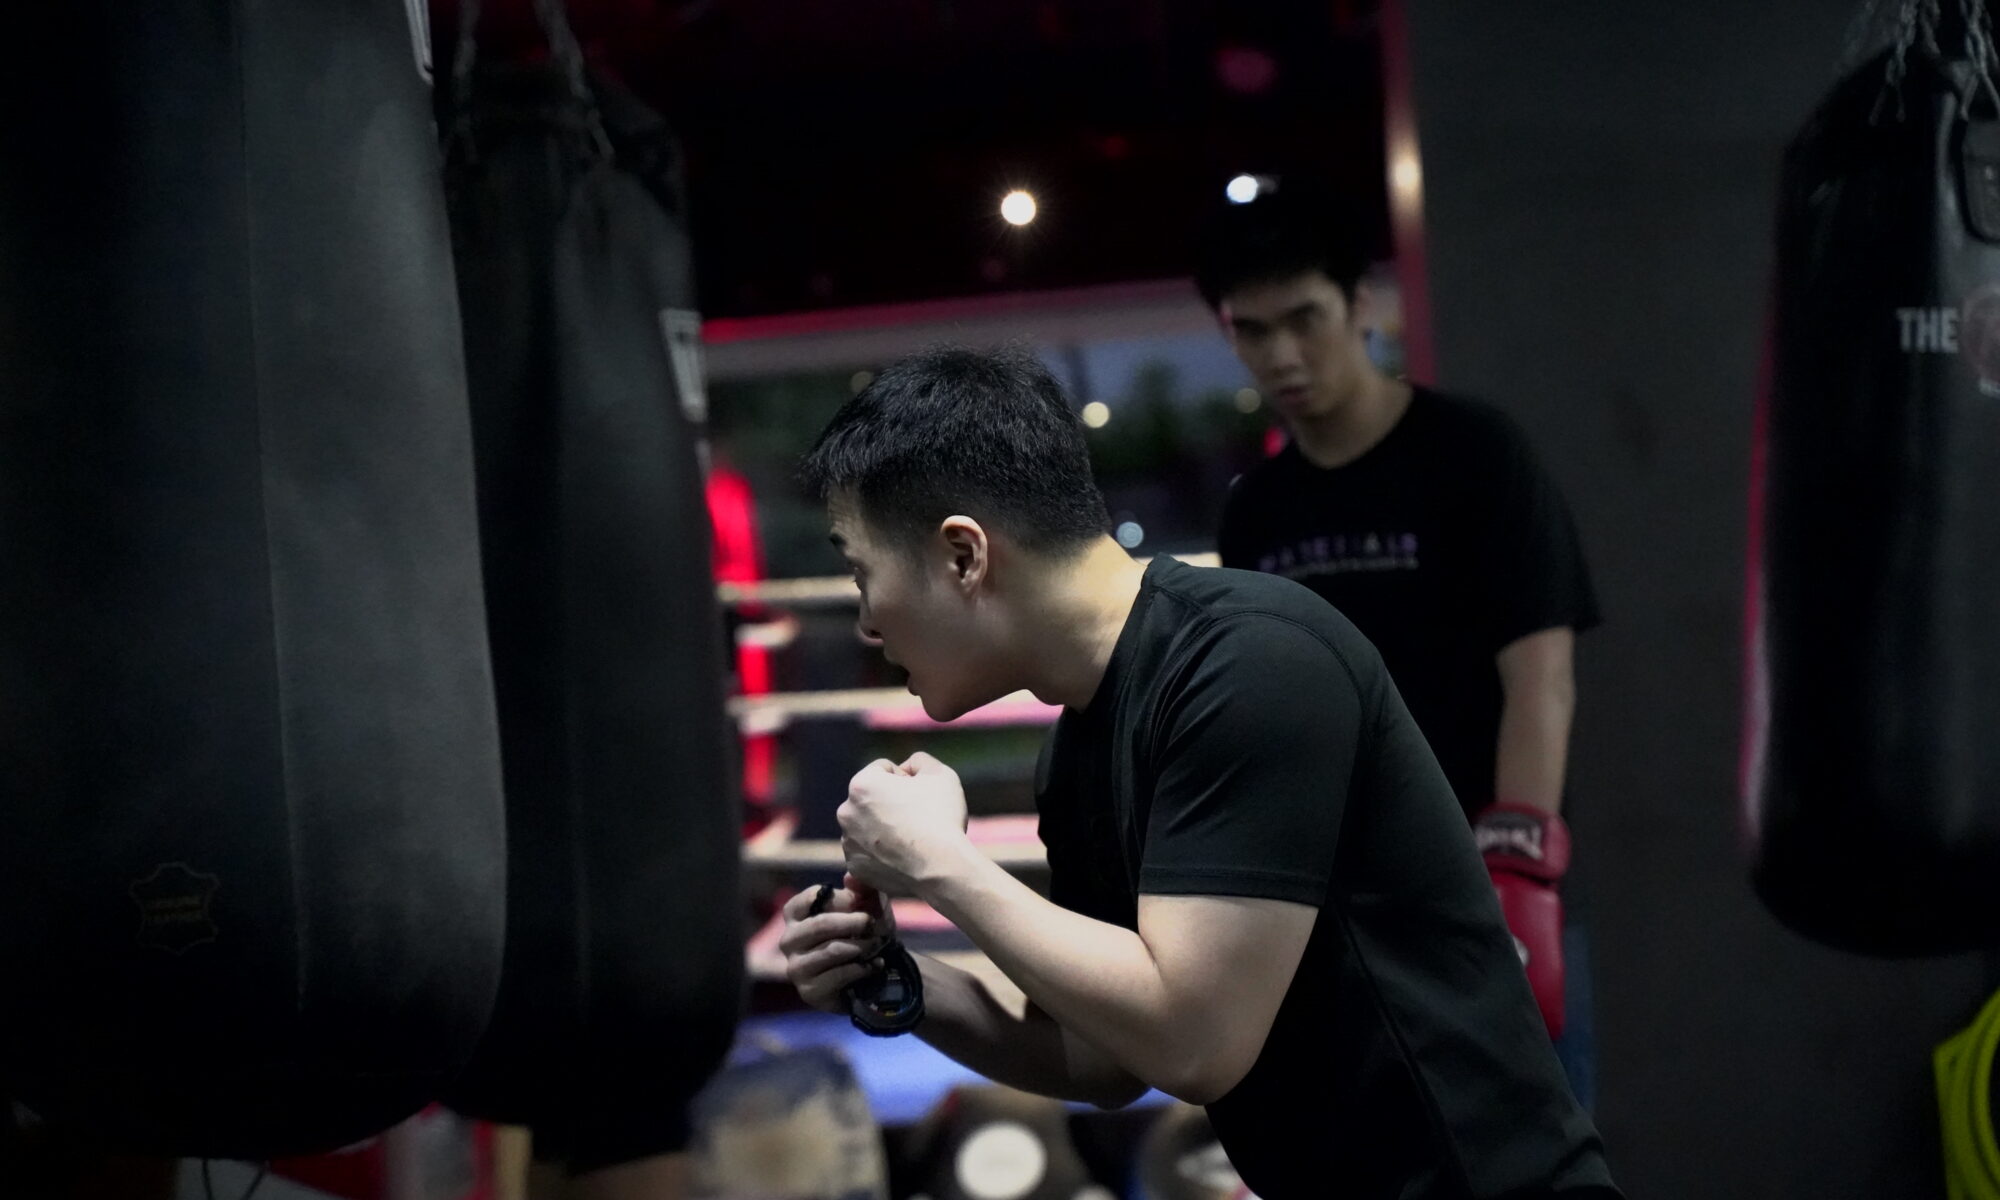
(1246, 741)
(1443, 543)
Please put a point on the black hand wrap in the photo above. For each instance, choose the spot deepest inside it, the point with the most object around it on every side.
(889, 1002)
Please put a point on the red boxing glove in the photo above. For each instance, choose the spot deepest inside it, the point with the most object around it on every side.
(1526, 852)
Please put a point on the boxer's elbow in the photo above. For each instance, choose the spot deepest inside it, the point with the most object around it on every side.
(1118, 1092)
(1209, 1073)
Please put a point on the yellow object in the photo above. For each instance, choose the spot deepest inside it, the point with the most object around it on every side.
(1964, 1066)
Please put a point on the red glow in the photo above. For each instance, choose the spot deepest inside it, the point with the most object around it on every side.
(1756, 681)
(1245, 69)
(739, 558)
(722, 331)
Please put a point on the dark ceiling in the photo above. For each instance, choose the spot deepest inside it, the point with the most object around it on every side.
(846, 152)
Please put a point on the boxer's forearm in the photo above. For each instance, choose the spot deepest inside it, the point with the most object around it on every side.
(1538, 704)
(1096, 980)
(997, 1032)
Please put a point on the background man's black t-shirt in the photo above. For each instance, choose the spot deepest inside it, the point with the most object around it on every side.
(1246, 741)
(1443, 543)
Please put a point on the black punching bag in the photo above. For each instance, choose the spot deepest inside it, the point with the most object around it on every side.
(624, 972)
(1872, 758)
(251, 844)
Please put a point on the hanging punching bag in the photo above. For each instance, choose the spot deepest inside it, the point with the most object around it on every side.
(1872, 758)
(624, 971)
(251, 845)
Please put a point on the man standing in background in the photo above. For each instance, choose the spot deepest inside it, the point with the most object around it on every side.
(1426, 519)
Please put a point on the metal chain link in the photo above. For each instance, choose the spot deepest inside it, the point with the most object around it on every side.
(553, 16)
(1979, 52)
(568, 55)
(564, 50)
(1868, 32)
(1916, 25)
(464, 50)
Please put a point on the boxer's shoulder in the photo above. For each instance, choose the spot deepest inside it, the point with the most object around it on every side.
(1254, 616)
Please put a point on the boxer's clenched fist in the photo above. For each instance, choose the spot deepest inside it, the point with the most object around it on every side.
(836, 948)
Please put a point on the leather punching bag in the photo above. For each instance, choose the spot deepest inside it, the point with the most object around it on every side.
(251, 843)
(1872, 756)
(624, 973)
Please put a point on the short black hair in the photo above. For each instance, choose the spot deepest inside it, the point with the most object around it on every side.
(1293, 229)
(951, 430)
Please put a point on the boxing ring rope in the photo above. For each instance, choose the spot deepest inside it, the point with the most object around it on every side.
(830, 591)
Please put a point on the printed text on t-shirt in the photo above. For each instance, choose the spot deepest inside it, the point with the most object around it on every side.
(1337, 554)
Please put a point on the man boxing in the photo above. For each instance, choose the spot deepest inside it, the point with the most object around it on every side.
(1426, 520)
(1263, 900)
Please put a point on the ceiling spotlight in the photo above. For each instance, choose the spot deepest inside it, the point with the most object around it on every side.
(1243, 189)
(1017, 208)
(1097, 414)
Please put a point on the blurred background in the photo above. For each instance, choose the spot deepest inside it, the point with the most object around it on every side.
(1574, 203)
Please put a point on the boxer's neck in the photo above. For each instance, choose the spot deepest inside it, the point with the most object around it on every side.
(1073, 611)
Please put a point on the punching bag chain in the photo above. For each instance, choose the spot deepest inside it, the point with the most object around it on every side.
(564, 50)
(1916, 25)
(1979, 52)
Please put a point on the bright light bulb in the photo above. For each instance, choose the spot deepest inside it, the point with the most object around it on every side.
(1017, 208)
(1242, 189)
(1097, 414)
(1407, 175)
